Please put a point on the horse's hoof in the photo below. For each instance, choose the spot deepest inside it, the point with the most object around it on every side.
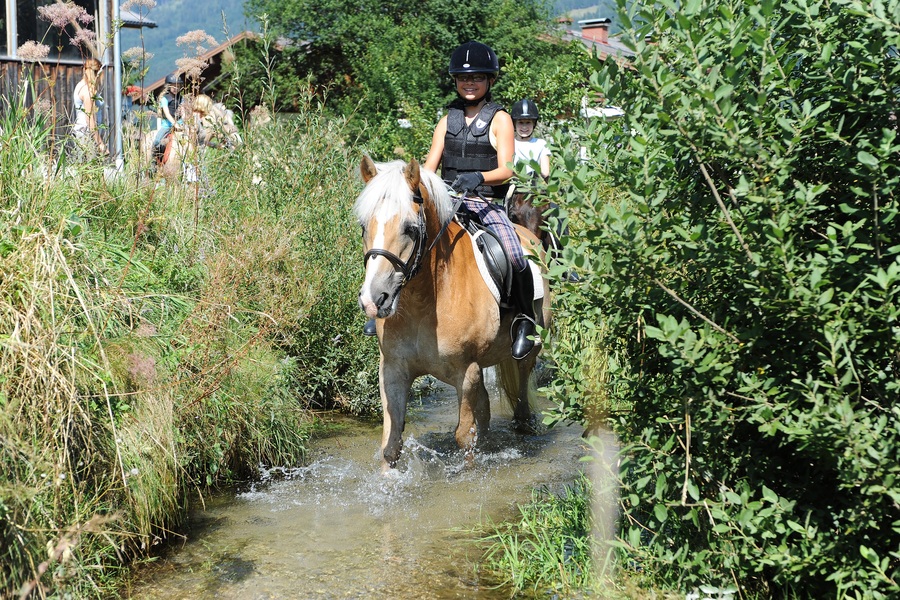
(389, 472)
(391, 457)
(529, 425)
(469, 461)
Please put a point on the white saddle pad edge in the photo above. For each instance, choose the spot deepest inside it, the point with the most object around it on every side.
(537, 278)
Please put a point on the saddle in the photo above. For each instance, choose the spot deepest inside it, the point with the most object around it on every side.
(498, 265)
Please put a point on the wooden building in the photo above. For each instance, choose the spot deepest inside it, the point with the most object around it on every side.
(47, 83)
(214, 74)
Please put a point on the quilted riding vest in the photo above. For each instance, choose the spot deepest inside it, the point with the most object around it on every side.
(469, 149)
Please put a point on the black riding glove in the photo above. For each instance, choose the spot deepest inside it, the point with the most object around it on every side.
(467, 182)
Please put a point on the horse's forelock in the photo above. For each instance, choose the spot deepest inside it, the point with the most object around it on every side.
(388, 194)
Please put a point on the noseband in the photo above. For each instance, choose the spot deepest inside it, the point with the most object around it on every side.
(411, 266)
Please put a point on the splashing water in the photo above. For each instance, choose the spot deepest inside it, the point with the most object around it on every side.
(339, 528)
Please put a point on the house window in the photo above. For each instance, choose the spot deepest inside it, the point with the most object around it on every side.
(31, 26)
(4, 30)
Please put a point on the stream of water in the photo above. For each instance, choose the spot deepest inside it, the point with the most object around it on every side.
(339, 528)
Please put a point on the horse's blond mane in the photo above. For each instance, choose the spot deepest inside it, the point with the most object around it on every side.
(388, 194)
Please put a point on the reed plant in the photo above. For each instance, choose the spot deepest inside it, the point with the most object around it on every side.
(159, 338)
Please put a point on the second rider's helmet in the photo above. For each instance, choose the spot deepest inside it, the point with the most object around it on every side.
(474, 57)
(524, 109)
(173, 79)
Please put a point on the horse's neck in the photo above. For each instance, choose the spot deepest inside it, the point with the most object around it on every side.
(442, 261)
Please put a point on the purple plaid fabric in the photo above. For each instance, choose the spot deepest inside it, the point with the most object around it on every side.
(495, 219)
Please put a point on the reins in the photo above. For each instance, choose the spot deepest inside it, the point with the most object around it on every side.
(456, 205)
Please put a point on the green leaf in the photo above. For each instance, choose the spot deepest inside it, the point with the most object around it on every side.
(867, 159)
(738, 50)
(6, 247)
(693, 490)
(634, 537)
(796, 526)
(661, 484)
(661, 513)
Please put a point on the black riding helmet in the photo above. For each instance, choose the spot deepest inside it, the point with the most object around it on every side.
(474, 57)
(173, 79)
(524, 109)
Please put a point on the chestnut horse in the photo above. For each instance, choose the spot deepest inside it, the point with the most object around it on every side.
(435, 314)
(523, 212)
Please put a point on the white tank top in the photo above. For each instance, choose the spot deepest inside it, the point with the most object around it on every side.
(81, 119)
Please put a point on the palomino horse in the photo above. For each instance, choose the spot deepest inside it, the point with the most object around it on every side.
(435, 313)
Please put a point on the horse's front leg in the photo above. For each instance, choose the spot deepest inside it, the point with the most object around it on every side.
(394, 383)
(522, 416)
(474, 410)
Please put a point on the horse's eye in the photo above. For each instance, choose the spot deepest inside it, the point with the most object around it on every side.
(411, 230)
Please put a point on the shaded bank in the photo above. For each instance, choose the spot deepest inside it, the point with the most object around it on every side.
(159, 338)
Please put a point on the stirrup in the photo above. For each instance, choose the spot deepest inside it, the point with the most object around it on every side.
(369, 328)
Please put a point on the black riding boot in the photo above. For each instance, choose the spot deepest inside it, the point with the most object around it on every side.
(369, 328)
(524, 323)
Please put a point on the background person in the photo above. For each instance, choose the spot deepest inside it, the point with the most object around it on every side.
(525, 116)
(214, 123)
(202, 119)
(86, 99)
(530, 149)
(169, 110)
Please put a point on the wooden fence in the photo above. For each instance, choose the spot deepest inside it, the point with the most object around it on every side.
(48, 88)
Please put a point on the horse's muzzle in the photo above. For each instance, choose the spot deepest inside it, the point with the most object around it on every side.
(379, 307)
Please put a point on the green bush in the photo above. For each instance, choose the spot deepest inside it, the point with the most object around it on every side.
(745, 275)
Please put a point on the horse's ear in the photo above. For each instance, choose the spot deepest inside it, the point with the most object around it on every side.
(412, 175)
(367, 169)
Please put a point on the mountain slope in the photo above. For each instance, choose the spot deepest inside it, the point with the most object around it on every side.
(177, 17)
(580, 10)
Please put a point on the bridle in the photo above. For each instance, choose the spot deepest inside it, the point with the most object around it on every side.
(410, 268)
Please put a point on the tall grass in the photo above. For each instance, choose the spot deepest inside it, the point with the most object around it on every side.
(548, 550)
(157, 338)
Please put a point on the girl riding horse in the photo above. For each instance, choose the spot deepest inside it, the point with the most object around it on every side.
(533, 152)
(436, 315)
(473, 144)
